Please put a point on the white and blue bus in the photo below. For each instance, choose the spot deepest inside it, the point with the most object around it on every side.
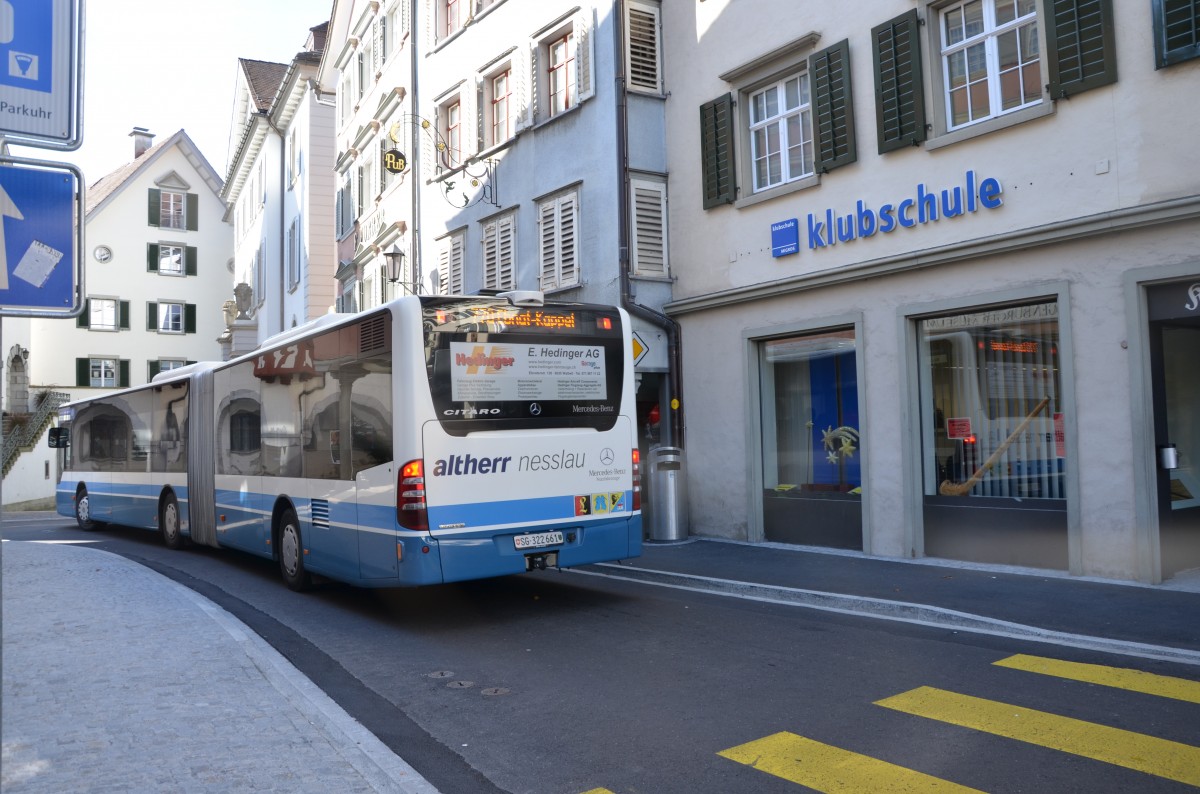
(434, 439)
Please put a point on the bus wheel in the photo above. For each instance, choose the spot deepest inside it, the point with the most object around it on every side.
(291, 553)
(83, 511)
(168, 523)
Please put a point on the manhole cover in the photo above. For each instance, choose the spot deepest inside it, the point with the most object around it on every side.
(441, 674)
(460, 684)
(493, 691)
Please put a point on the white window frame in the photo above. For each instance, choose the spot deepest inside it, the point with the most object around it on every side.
(293, 254)
(175, 266)
(985, 44)
(500, 252)
(168, 364)
(648, 202)
(104, 314)
(172, 209)
(558, 240)
(763, 122)
(579, 79)
(170, 315)
(102, 373)
(941, 133)
(450, 263)
(497, 130)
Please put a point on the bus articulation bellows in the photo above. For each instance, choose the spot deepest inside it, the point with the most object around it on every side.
(434, 439)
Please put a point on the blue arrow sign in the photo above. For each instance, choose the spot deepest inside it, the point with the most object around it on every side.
(38, 251)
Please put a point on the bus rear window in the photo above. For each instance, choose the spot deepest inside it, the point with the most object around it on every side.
(495, 366)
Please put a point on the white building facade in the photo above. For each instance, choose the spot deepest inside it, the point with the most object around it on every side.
(279, 194)
(157, 273)
(950, 253)
(368, 65)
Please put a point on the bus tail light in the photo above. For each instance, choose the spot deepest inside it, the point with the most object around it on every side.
(411, 508)
(637, 479)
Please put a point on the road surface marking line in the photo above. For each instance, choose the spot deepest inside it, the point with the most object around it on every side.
(1158, 757)
(1117, 677)
(827, 768)
(598, 791)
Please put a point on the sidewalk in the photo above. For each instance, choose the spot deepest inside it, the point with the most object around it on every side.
(118, 679)
(1161, 621)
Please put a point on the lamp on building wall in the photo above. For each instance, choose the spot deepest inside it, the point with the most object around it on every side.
(394, 260)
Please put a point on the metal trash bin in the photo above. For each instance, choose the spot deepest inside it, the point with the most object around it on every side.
(667, 500)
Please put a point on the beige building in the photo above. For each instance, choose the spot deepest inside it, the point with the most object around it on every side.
(946, 258)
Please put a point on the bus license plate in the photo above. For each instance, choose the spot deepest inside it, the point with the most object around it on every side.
(538, 540)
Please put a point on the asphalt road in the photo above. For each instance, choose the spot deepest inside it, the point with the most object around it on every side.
(565, 683)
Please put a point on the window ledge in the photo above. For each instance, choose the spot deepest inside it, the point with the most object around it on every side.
(1047, 108)
(782, 190)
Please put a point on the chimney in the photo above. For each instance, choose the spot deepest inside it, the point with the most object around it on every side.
(143, 139)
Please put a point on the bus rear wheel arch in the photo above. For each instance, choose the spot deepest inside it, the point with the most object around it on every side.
(290, 550)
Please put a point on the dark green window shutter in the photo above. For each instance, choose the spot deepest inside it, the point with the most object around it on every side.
(85, 320)
(833, 108)
(189, 260)
(152, 257)
(83, 372)
(189, 318)
(1176, 31)
(152, 369)
(155, 206)
(716, 151)
(151, 316)
(123, 315)
(1082, 56)
(192, 207)
(899, 89)
(123, 373)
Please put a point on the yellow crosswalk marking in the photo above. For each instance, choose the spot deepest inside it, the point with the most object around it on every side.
(1121, 678)
(826, 768)
(598, 791)
(1160, 757)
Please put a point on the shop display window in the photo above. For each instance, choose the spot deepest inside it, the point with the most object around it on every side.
(992, 416)
(812, 475)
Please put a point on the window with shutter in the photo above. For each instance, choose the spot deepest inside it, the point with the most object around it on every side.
(716, 151)
(499, 252)
(833, 107)
(1176, 31)
(649, 203)
(450, 264)
(899, 90)
(558, 221)
(643, 58)
(1081, 55)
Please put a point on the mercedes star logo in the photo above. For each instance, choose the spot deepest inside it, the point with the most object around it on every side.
(535, 409)
(607, 456)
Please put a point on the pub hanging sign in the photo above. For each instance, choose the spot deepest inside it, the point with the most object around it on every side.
(394, 161)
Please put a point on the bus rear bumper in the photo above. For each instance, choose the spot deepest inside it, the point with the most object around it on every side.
(476, 557)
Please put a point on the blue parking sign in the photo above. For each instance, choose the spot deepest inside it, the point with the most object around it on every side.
(40, 72)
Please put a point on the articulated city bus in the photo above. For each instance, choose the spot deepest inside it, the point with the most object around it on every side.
(434, 439)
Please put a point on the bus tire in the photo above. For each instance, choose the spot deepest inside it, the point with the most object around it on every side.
(83, 511)
(168, 522)
(291, 553)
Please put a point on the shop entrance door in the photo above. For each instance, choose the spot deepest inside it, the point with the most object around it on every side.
(1175, 376)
